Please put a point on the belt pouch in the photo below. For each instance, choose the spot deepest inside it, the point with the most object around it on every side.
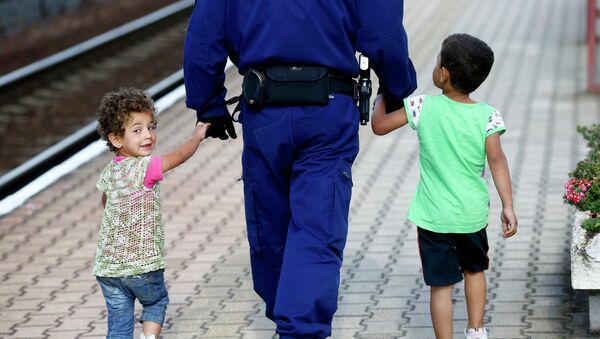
(296, 85)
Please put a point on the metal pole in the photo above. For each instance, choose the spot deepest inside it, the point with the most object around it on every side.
(43, 9)
(592, 41)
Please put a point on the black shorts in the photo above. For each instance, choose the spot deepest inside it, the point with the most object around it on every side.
(445, 256)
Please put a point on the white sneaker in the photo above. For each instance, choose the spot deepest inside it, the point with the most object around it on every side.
(476, 333)
(151, 336)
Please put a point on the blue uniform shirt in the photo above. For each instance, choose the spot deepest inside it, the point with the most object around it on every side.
(294, 32)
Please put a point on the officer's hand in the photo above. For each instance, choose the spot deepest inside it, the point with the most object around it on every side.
(391, 103)
(220, 127)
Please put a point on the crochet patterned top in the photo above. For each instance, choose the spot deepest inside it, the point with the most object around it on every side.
(131, 238)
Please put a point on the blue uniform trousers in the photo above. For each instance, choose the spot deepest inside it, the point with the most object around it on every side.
(297, 185)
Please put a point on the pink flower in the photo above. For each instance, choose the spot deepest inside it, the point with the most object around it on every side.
(575, 190)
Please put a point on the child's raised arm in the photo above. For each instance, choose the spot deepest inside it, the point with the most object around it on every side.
(501, 175)
(186, 149)
(383, 123)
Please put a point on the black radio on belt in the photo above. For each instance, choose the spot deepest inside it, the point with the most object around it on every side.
(303, 86)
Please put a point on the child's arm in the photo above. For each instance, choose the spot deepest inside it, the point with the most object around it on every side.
(383, 123)
(501, 175)
(185, 150)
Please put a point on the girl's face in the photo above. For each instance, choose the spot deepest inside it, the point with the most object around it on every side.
(139, 138)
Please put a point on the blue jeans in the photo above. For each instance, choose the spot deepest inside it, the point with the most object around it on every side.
(120, 294)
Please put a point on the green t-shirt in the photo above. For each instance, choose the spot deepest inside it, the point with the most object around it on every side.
(452, 195)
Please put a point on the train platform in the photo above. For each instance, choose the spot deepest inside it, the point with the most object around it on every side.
(47, 245)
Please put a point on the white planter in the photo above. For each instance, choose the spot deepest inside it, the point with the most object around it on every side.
(585, 267)
(585, 257)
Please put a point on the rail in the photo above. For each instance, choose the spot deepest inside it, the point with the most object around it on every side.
(34, 69)
(31, 169)
(26, 172)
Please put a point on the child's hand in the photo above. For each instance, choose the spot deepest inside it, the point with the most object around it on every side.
(509, 222)
(201, 128)
(383, 123)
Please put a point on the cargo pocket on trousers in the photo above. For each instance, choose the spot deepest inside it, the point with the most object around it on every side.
(339, 222)
(251, 215)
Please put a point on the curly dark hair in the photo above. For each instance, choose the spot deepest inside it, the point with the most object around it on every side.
(116, 107)
(468, 59)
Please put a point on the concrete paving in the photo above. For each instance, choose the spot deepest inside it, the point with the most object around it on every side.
(47, 246)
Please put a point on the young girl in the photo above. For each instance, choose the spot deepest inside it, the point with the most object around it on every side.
(130, 254)
(451, 204)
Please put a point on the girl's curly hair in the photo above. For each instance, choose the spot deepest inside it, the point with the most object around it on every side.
(116, 107)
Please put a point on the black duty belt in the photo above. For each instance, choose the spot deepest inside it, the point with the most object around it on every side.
(303, 86)
(293, 85)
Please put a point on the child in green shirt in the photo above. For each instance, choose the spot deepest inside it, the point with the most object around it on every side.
(451, 204)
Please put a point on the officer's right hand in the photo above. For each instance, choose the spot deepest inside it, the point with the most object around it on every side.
(220, 127)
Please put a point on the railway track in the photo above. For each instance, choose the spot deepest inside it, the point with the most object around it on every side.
(47, 108)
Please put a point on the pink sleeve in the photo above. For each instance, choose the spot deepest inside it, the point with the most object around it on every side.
(154, 172)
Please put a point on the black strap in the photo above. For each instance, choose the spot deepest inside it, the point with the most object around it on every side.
(237, 108)
(341, 85)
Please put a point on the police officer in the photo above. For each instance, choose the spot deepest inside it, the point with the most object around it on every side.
(297, 157)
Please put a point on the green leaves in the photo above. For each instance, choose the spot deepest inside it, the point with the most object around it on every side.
(592, 135)
(587, 170)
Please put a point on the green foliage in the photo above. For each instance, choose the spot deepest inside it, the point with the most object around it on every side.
(592, 135)
(583, 187)
(591, 225)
